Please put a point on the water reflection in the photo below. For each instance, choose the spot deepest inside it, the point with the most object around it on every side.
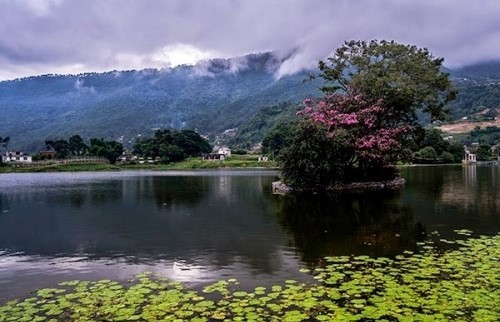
(144, 219)
(454, 197)
(202, 226)
(343, 224)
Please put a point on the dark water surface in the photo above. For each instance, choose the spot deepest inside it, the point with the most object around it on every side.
(201, 226)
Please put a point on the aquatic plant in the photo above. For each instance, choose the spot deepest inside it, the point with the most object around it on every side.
(461, 283)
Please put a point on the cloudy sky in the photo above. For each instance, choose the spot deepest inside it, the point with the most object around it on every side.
(73, 36)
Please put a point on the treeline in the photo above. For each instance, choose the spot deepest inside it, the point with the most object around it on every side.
(75, 146)
(431, 147)
(167, 145)
(172, 145)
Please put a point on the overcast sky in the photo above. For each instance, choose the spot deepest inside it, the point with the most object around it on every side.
(73, 36)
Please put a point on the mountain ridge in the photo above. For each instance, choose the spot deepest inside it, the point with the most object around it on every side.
(211, 97)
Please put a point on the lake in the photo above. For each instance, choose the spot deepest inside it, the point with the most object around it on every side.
(202, 226)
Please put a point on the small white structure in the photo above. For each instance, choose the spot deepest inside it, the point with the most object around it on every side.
(263, 159)
(225, 151)
(16, 156)
(469, 157)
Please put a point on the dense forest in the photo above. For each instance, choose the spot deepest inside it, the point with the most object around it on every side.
(210, 97)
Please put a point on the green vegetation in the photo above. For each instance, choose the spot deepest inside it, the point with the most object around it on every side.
(75, 146)
(279, 137)
(489, 135)
(475, 98)
(432, 148)
(233, 162)
(255, 129)
(367, 119)
(406, 78)
(172, 146)
(123, 104)
(110, 150)
(61, 168)
(190, 163)
(458, 284)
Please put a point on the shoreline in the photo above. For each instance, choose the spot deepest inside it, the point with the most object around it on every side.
(282, 189)
(186, 165)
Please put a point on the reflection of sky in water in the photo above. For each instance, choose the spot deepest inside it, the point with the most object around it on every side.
(200, 226)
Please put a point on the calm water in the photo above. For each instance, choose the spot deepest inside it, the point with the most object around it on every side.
(201, 226)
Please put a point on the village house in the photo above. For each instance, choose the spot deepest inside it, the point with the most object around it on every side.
(224, 150)
(16, 156)
(221, 154)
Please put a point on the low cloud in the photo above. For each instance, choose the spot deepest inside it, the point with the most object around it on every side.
(72, 36)
(81, 88)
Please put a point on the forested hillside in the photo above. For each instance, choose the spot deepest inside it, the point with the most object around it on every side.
(210, 97)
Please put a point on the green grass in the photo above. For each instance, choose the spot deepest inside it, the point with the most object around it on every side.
(192, 163)
(459, 284)
(61, 168)
(232, 162)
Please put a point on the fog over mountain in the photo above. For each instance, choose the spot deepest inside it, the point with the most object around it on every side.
(211, 97)
(74, 36)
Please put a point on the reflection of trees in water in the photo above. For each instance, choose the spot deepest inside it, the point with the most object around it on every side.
(458, 196)
(209, 221)
(4, 203)
(427, 181)
(344, 224)
(167, 191)
(76, 196)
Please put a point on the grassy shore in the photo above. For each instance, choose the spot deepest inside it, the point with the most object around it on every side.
(192, 163)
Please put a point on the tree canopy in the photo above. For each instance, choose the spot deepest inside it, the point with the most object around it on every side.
(406, 78)
(172, 146)
(372, 93)
(110, 150)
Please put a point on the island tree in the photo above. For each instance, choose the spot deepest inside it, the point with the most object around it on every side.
(373, 92)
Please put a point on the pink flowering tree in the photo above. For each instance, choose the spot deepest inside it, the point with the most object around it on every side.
(374, 94)
(376, 141)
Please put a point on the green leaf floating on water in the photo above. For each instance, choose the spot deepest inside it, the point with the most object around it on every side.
(458, 284)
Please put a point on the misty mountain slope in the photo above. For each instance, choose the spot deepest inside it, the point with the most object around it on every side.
(482, 71)
(212, 96)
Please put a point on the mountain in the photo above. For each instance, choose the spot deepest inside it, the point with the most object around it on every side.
(212, 96)
(479, 88)
(482, 72)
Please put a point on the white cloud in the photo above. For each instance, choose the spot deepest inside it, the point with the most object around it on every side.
(41, 7)
(68, 36)
(181, 54)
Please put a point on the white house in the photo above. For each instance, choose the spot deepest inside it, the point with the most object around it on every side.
(225, 151)
(16, 156)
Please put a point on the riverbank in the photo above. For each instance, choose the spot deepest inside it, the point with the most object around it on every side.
(184, 165)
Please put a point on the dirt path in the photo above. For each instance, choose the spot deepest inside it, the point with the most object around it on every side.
(466, 127)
